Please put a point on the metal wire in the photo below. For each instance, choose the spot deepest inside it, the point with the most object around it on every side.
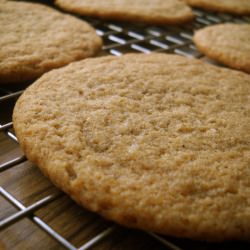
(12, 136)
(26, 211)
(45, 227)
(6, 126)
(10, 96)
(164, 241)
(119, 38)
(11, 163)
(98, 238)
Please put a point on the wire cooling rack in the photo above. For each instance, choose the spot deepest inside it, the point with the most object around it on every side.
(35, 214)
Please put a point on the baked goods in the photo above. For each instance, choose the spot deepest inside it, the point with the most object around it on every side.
(239, 7)
(227, 43)
(158, 142)
(155, 12)
(36, 39)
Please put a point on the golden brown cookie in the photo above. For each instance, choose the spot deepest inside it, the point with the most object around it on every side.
(227, 43)
(36, 39)
(158, 142)
(238, 7)
(155, 12)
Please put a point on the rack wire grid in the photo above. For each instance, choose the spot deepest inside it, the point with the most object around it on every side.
(35, 214)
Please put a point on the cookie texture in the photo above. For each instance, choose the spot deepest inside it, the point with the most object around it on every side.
(239, 7)
(158, 142)
(36, 39)
(226, 43)
(155, 12)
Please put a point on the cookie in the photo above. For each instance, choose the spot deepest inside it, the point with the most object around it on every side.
(36, 39)
(227, 43)
(155, 12)
(239, 7)
(158, 142)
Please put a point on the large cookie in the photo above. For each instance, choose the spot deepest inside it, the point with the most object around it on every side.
(156, 12)
(35, 39)
(158, 142)
(239, 7)
(226, 43)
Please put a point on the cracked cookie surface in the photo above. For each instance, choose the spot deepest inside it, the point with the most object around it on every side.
(158, 142)
(155, 12)
(227, 43)
(36, 39)
(239, 7)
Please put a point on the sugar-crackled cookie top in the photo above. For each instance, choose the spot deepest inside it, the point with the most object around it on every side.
(238, 7)
(158, 142)
(35, 39)
(155, 12)
(227, 43)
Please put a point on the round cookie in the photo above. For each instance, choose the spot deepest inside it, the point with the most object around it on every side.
(226, 43)
(239, 7)
(36, 39)
(155, 12)
(158, 142)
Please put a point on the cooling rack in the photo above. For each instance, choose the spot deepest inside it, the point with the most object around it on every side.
(34, 213)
